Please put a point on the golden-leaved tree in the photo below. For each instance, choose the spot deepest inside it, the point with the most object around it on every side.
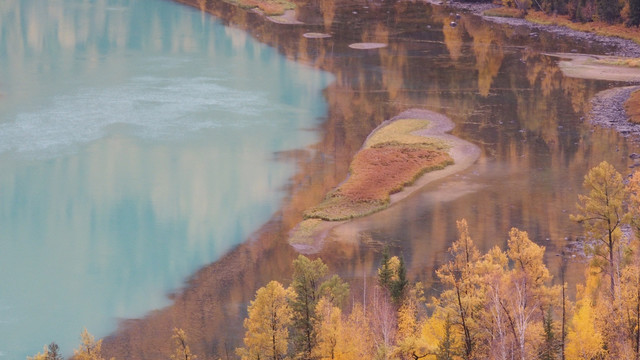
(267, 325)
(461, 297)
(584, 339)
(181, 347)
(602, 214)
(494, 310)
(608, 206)
(89, 349)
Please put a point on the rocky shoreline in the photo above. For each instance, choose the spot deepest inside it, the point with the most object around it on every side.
(607, 110)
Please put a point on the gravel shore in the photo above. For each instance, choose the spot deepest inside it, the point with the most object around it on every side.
(621, 47)
(607, 110)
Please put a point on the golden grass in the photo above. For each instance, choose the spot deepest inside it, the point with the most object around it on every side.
(391, 158)
(376, 173)
(600, 28)
(400, 132)
(268, 7)
(627, 62)
(632, 107)
(507, 12)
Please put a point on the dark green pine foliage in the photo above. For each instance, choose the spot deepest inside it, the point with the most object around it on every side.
(446, 346)
(53, 352)
(634, 13)
(550, 344)
(399, 285)
(385, 273)
(608, 10)
(308, 277)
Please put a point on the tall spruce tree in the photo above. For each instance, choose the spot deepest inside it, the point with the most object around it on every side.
(384, 272)
(308, 277)
(399, 283)
(608, 10)
(634, 13)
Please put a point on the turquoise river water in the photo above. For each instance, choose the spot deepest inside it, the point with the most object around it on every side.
(137, 143)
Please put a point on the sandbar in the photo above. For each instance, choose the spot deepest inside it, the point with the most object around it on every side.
(585, 66)
(316, 35)
(367, 46)
(308, 236)
(288, 18)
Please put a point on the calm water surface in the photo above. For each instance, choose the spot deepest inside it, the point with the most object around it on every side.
(137, 143)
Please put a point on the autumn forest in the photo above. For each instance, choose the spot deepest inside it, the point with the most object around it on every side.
(503, 304)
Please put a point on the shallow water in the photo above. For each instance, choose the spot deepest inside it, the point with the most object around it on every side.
(137, 143)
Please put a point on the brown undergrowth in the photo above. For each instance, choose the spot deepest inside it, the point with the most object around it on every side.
(632, 107)
(391, 159)
(508, 12)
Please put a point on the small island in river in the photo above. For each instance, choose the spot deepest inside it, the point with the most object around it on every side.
(390, 166)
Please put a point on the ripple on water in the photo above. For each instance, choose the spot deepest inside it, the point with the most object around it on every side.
(149, 107)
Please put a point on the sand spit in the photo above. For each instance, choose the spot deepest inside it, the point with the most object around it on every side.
(308, 236)
(367, 46)
(315, 35)
(288, 18)
(595, 67)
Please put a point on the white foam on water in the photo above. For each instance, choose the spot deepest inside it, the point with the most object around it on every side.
(152, 107)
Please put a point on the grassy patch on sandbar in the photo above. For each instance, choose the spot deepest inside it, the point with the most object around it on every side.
(401, 132)
(391, 159)
(632, 107)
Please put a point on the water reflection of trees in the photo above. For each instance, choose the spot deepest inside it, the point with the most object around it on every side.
(514, 103)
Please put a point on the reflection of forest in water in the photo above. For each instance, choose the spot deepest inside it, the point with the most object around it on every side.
(496, 85)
